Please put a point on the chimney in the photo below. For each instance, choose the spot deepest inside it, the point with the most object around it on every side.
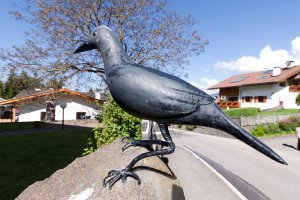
(97, 95)
(276, 71)
(289, 63)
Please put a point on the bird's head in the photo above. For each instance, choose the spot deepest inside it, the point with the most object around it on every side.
(96, 39)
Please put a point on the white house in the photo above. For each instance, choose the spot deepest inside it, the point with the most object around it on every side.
(278, 87)
(32, 106)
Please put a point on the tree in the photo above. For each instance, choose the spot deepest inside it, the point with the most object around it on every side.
(16, 83)
(55, 84)
(1, 89)
(151, 33)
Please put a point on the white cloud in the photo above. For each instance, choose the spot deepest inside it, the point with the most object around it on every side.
(267, 58)
(205, 83)
(296, 47)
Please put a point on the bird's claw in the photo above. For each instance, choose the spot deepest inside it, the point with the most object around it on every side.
(127, 138)
(115, 175)
(127, 144)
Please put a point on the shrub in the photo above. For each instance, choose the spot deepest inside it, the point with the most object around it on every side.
(259, 131)
(284, 127)
(190, 127)
(117, 123)
(273, 129)
(298, 100)
(237, 112)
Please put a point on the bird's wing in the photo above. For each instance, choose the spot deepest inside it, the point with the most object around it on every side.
(154, 93)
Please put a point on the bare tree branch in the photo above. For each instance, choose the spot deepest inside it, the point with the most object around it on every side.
(151, 33)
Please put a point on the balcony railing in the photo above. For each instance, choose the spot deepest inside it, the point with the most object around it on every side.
(230, 104)
(294, 88)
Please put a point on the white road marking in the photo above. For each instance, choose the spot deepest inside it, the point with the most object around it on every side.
(240, 195)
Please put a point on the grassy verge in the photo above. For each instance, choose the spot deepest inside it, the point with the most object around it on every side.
(277, 134)
(19, 125)
(26, 159)
(280, 112)
(237, 112)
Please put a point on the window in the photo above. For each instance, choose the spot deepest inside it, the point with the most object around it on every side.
(262, 99)
(267, 72)
(80, 115)
(282, 84)
(247, 99)
(232, 98)
(239, 79)
(263, 78)
(43, 116)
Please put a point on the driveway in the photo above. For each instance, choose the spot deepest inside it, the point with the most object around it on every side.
(259, 173)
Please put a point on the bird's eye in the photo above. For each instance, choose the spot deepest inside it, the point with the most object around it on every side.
(94, 34)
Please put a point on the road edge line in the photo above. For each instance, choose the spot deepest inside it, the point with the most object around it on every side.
(240, 195)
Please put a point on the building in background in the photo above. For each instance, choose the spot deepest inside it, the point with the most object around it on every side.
(275, 88)
(31, 105)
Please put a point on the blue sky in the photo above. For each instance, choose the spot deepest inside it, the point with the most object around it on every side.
(244, 35)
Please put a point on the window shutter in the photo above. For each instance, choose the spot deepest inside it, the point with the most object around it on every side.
(255, 99)
(264, 99)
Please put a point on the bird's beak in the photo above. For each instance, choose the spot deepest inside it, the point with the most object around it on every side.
(86, 46)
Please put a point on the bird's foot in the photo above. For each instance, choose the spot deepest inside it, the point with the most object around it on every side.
(127, 141)
(115, 175)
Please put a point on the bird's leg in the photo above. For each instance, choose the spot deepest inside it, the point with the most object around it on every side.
(144, 143)
(150, 128)
(148, 144)
(114, 175)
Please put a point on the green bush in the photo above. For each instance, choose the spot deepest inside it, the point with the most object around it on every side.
(117, 123)
(285, 127)
(259, 131)
(298, 100)
(190, 127)
(237, 112)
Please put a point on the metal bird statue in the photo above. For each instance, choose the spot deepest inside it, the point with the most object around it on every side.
(154, 95)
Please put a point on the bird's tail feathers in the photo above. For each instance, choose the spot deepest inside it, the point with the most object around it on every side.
(232, 128)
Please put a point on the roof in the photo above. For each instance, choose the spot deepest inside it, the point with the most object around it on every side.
(29, 94)
(257, 78)
(1, 99)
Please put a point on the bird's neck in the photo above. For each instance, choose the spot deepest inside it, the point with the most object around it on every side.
(113, 55)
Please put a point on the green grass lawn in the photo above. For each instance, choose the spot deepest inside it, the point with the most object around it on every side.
(25, 159)
(19, 125)
(280, 112)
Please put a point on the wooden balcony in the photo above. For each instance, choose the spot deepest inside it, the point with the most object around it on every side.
(230, 104)
(294, 88)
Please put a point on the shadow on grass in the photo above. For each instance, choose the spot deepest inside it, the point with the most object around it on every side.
(28, 158)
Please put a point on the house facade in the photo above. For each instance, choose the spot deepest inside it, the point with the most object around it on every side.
(278, 87)
(33, 107)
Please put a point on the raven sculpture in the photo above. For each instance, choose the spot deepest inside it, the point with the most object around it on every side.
(154, 95)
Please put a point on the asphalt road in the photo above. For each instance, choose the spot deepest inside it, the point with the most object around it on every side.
(252, 174)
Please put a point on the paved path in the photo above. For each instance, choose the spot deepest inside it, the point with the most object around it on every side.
(274, 180)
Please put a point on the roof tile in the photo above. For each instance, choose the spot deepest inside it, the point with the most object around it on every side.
(257, 78)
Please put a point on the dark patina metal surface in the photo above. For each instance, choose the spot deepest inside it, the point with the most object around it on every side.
(154, 95)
